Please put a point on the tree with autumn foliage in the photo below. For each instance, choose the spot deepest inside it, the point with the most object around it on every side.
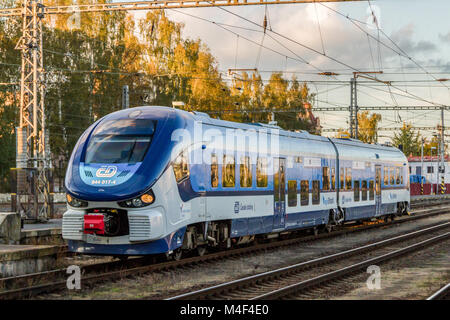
(367, 127)
(89, 57)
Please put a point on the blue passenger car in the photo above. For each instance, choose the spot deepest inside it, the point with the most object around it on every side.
(153, 180)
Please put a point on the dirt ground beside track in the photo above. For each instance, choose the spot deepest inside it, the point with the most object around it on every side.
(416, 276)
(426, 274)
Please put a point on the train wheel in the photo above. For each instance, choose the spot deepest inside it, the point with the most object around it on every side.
(177, 254)
(201, 251)
(316, 231)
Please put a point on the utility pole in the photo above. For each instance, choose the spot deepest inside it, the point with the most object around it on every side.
(354, 99)
(32, 159)
(353, 109)
(125, 97)
(421, 168)
(442, 166)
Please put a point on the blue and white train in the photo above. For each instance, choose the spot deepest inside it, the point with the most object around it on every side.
(152, 180)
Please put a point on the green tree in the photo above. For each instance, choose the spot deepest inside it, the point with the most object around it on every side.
(409, 139)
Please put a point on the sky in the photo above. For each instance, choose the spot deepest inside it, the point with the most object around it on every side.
(409, 42)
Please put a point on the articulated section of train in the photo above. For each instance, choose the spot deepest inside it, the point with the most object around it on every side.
(153, 180)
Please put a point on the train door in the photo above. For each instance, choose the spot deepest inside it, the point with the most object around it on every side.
(377, 190)
(279, 192)
(202, 201)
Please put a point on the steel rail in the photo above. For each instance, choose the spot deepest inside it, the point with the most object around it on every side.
(341, 273)
(441, 294)
(296, 268)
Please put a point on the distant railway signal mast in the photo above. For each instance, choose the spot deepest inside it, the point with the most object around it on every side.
(33, 153)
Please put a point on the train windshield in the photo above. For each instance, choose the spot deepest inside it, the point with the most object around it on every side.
(120, 141)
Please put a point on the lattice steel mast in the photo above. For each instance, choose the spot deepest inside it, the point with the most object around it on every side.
(32, 143)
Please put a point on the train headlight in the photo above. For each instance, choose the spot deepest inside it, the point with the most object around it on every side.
(139, 202)
(147, 198)
(74, 202)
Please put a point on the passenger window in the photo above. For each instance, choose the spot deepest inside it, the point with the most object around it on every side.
(397, 175)
(214, 171)
(392, 176)
(316, 192)
(348, 179)
(364, 190)
(356, 190)
(228, 172)
(401, 176)
(341, 176)
(181, 167)
(261, 172)
(386, 176)
(245, 172)
(371, 190)
(304, 192)
(325, 178)
(292, 193)
(333, 178)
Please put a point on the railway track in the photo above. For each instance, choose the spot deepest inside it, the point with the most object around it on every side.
(441, 294)
(30, 285)
(291, 281)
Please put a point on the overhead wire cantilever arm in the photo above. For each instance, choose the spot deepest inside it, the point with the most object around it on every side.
(158, 4)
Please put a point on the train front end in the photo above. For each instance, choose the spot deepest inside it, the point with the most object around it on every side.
(115, 202)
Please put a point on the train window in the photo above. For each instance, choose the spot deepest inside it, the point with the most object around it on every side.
(371, 190)
(364, 190)
(341, 176)
(228, 171)
(245, 172)
(214, 171)
(333, 178)
(430, 169)
(261, 172)
(386, 176)
(316, 192)
(392, 176)
(292, 193)
(348, 179)
(120, 141)
(304, 192)
(397, 175)
(325, 178)
(401, 176)
(356, 190)
(181, 167)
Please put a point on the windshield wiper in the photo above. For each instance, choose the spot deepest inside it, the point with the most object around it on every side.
(131, 151)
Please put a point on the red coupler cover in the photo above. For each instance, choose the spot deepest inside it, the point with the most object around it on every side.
(94, 223)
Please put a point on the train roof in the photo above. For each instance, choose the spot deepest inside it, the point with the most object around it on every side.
(160, 112)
